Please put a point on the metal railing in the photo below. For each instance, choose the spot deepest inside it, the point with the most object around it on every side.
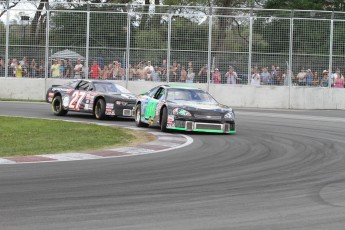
(182, 44)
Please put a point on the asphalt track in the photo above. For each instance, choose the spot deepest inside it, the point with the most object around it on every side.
(282, 170)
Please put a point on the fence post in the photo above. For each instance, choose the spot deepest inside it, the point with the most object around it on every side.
(46, 64)
(169, 47)
(7, 37)
(289, 73)
(209, 49)
(87, 41)
(128, 45)
(250, 46)
(330, 52)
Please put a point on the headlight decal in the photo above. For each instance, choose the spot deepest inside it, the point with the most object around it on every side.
(121, 103)
(181, 112)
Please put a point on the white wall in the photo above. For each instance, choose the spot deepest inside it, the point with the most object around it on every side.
(279, 97)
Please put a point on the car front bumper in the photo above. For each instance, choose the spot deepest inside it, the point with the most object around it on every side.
(202, 126)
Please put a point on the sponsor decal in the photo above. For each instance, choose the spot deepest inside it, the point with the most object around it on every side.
(109, 112)
(170, 119)
(171, 125)
(109, 106)
(86, 107)
(65, 101)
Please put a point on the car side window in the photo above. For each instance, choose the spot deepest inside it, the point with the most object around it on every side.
(152, 92)
(83, 85)
(159, 94)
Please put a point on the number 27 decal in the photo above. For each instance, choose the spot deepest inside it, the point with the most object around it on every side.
(77, 98)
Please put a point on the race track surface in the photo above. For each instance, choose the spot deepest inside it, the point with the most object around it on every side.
(282, 170)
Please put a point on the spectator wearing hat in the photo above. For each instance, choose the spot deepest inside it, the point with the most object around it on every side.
(324, 79)
(216, 76)
(231, 76)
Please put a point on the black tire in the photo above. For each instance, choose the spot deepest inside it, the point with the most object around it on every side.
(57, 107)
(100, 109)
(137, 117)
(164, 120)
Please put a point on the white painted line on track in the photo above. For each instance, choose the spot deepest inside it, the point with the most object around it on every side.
(5, 161)
(71, 156)
(133, 150)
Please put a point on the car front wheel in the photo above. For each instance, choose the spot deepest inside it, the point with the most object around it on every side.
(57, 107)
(164, 120)
(138, 121)
(100, 109)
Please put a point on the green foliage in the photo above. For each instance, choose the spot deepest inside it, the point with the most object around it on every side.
(188, 35)
(295, 4)
(150, 39)
(106, 29)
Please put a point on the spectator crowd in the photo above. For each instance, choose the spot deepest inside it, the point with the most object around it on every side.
(147, 71)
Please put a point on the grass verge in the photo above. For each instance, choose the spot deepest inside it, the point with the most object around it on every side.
(27, 136)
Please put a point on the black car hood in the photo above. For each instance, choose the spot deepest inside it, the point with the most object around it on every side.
(195, 106)
(123, 95)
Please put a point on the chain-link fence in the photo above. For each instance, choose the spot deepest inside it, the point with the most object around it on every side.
(172, 44)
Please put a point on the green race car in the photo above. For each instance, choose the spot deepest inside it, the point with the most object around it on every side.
(183, 108)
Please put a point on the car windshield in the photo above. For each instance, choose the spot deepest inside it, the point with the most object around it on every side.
(72, 84)
(108, 87)
(194, 95)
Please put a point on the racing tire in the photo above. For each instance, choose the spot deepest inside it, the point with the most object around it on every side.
(57, 107)
(100, 109)
(138, 121)
(164, 120)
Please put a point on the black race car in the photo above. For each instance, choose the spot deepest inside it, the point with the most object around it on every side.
(100, 98)
(183, 108)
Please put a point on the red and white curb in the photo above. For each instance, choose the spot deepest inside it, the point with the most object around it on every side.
(164, 142)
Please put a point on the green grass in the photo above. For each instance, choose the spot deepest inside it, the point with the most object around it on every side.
(25, 136)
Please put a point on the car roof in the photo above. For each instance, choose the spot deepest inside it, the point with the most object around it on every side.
(180, 87)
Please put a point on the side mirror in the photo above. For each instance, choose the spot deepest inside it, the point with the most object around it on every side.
(142, 93)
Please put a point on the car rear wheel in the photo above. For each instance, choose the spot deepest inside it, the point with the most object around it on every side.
(164, 120)
(138, 121)
(57, 107)
(100, 109)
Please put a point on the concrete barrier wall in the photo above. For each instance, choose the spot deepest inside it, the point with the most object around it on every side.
(278, 97)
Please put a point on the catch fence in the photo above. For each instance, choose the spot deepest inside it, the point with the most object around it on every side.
(180, 42)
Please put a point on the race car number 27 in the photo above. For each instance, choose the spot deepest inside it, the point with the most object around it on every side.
(77, 98)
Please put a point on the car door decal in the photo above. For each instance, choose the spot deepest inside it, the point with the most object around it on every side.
(150, 110)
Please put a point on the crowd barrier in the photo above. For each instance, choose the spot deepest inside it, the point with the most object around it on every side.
(247, 96)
